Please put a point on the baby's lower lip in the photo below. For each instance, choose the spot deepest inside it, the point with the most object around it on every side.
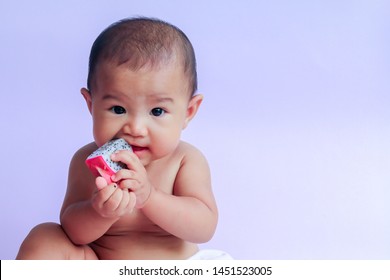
(139, 150)
(136, 148)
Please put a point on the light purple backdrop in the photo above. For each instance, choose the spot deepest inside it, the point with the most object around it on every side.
(295, 122)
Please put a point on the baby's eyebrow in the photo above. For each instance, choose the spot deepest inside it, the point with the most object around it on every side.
(109, 96)
(153, 98)
(161, 99)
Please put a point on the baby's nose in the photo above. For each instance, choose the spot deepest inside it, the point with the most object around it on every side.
(136, 127)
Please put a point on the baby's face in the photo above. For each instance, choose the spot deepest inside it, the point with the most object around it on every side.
(148, 108)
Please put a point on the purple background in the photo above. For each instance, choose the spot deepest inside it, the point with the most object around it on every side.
(295, 121)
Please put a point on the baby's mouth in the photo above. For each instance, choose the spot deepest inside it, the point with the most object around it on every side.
(139, 151)
(138, 148)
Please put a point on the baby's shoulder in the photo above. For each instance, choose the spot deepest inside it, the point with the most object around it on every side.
(183, 155)
(186, 150)
(190, 154)
(82, 153)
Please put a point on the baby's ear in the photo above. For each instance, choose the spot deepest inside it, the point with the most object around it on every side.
(88, 98)
(192, 108)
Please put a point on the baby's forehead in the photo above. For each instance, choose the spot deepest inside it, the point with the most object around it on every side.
(170, 72)
(107, 67)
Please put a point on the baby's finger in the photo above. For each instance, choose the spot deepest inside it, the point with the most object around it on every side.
(103, 195)
(114, 200)
(100, 182)
(107, 192)
(123, 174)
(128, 158)
(129, 184)
(127, 203)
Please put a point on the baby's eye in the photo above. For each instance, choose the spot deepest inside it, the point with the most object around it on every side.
(157, 112)
(118, 110)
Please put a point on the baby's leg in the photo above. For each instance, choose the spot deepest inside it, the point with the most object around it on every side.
(48, 241)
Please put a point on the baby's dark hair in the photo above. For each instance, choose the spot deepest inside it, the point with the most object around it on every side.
(142, 41)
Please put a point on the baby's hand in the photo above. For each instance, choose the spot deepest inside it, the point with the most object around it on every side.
(134, 179)
(110, 201)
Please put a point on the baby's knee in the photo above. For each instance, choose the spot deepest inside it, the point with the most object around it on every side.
(46, 232)
(48, 241)
(42, 239)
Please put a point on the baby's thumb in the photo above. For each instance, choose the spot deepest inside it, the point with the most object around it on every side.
(101, 183)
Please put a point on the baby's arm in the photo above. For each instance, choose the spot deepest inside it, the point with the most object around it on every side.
(87, 212)
(191, 213)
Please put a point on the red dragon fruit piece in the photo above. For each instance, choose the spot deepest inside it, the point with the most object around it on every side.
(100, 163)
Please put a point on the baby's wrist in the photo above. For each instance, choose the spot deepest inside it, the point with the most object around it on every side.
(147, 199)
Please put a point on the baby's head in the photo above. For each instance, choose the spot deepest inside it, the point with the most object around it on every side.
(143, 42)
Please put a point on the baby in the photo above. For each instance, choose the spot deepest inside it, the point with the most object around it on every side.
(141, 88)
